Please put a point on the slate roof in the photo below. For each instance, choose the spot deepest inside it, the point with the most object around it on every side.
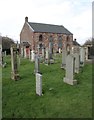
(76, 43)
(49, 28)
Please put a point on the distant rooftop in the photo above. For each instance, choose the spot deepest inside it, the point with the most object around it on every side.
(49, 28)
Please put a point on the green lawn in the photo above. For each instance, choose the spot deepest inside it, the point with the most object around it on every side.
(63, 101)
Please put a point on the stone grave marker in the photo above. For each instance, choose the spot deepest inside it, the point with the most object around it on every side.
(32, 56)
(76, 54)
(70, 68)
(38, 84)
(43, 53)
(37, 70)
(82, 56)
(14, 64)
(1, 55)
(50, 50)
(47, 56)
(64, 55)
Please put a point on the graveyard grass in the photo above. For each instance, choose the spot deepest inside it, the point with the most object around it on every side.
(59, 100)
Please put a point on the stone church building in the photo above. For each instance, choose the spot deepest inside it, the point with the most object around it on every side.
(34, 36)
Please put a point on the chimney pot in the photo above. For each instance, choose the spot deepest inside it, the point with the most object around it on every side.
(26, 19)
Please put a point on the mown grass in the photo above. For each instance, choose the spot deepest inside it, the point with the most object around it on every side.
(63, 101)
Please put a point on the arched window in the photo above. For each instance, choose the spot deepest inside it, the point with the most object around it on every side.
(60, 42)
(40, 38)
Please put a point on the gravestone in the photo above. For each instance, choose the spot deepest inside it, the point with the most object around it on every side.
(43, 52)
(70, 68)
(50, 50)
(82, 56)
(37, 70)
(77, 62)
(76, 54)
(38, 84)
(25, 54)
(59, 50)
(64, 55)
(1, 55)
(32, 55)
(47, 56)
(14, 64)
(5, 53)
(22, 52)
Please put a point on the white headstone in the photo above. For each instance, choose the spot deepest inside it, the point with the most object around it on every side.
(82, 56)
(32, 55)
(69, 77)
(38, 84)
(59, 50)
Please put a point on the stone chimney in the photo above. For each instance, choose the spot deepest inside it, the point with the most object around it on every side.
(26, 19)
(75, 39)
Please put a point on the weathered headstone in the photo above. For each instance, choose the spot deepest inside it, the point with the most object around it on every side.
(1, 55)
(37, 70)
(64, 55)
(32, 55)
(76, 53)
(47, 56)
(14, 64)
(22, 52)
(77, 62)
(38, 84)
(82, 56)
(70, 68)
(43, 52)
(50, 50)
(25, 54)
(59, 50)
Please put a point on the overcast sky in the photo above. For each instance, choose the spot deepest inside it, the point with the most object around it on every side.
(75, 15)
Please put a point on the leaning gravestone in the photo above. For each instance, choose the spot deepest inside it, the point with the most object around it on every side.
(38, 84)
(37, 64)
(14, 64)
(70, 68)
(82, 56)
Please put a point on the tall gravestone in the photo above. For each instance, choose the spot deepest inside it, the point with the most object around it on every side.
(14, 64)
(1, 55)
(43, 52)
(47, 58)
(50, 50)
(38, 84)
(32, 55)
(70, 69)
(37, 70)
(0, 78)
(64, 55)
(82, 56)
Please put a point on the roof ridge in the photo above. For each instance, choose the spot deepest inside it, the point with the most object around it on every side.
(46, 24)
